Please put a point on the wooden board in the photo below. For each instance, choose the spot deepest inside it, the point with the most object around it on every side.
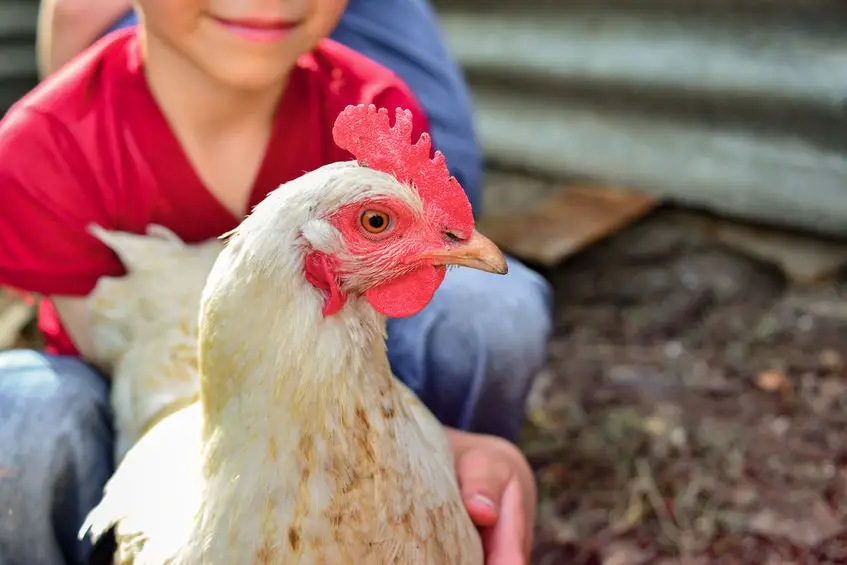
(567, 222)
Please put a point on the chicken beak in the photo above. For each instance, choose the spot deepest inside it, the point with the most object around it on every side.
(478, 252)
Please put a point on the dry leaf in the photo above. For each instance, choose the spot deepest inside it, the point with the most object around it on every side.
(831, 359)
(683, 561)
(805, 524)
(624, 553)
(830, 392)
(772, 381)
(743, 496)
(634, 514)
(560, 530)
(655, 426)
(775, 559)
(569, 221)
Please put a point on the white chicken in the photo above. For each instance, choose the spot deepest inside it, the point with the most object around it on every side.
(303, 447)
(144, 326)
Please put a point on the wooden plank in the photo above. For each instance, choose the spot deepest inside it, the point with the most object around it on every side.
(567, 222)
(803, 259)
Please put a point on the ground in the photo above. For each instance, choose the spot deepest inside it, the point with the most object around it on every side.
(694, 409)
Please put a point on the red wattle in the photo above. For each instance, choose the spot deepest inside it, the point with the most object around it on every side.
(407, 295)
(320, 274)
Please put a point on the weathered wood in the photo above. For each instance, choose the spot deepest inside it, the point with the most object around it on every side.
(566, 223)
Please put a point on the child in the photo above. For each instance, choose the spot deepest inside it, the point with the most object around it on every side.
(188, 121)
(403, 35)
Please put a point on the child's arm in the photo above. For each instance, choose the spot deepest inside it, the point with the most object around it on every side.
(67, 27)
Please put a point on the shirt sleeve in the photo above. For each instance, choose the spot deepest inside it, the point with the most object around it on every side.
(48, 197)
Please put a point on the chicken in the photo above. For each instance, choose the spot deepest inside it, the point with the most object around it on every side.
(303, 447)
(144, 326)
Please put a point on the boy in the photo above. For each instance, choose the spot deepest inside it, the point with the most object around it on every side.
(188, 121)
(403, 35)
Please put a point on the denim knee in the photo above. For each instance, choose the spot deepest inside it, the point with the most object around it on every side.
(55, 450)
(471, 354)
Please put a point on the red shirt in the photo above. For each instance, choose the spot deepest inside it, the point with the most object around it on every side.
(91, 145)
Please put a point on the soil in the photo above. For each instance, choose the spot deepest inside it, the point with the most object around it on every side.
(694, 409)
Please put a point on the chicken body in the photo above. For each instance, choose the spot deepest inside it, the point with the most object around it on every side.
(144, 326)
(381, 494)
(302, 448)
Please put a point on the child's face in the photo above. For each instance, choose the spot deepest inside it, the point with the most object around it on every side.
(247, 44)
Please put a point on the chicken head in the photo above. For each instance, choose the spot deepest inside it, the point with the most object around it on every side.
(408, 222)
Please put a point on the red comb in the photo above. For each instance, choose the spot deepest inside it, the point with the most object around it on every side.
(366, 133)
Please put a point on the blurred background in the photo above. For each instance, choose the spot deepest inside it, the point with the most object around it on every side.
(678, 170)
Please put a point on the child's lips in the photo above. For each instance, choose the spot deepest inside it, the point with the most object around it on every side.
(257, 29)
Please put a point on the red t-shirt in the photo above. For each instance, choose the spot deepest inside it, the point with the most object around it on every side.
(91, 145)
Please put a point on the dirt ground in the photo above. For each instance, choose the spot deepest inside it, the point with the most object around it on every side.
(694, 410)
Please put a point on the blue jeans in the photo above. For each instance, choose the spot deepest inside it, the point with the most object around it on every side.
(403, 35)
(470, 355)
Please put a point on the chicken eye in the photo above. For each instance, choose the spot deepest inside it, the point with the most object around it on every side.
(375, 221)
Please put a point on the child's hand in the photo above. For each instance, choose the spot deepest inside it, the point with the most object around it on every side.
(499, 492)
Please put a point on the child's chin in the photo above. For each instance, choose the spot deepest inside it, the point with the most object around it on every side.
(250, 73)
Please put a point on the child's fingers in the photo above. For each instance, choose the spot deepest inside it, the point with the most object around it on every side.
(505, 541)
(483, 478)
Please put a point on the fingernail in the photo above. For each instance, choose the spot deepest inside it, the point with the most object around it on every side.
(484, 500)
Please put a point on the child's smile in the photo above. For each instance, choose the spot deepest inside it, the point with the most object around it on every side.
(248, 45)
(259, 29)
